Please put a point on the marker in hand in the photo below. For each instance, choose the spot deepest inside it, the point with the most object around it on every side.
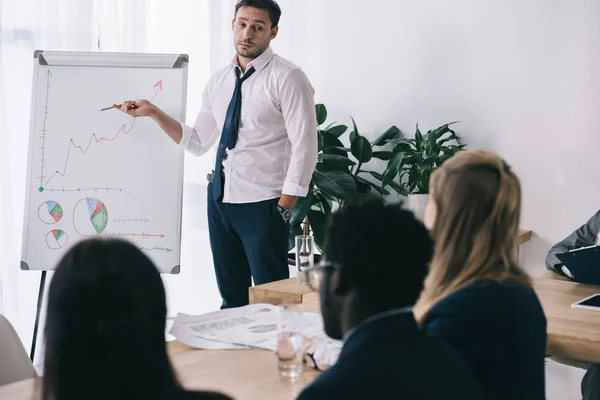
(131, 107)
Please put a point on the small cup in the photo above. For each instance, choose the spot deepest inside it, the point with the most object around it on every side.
(290, 340)
(305, 256)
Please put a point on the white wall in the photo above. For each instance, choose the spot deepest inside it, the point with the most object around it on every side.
(522, 76)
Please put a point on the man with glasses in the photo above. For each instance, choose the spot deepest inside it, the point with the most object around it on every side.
(376, 258)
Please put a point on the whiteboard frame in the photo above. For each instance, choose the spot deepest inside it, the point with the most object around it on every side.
(102, 59)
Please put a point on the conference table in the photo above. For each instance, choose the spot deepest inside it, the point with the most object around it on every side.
(242, 374)
(573, 334)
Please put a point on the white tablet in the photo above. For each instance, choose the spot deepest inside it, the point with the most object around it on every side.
(589, 303)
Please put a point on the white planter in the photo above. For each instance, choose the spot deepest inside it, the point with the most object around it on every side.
(418, 203)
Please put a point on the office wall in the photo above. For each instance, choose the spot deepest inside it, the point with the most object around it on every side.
(522, 76)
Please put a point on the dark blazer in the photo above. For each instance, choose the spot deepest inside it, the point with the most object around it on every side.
(584, 236)
(500, 330)
(391, 358)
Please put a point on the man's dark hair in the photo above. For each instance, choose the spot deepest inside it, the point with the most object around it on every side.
(384, 251)
(270, 6)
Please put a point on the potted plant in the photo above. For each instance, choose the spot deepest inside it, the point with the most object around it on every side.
(414, 160)
(341, 175)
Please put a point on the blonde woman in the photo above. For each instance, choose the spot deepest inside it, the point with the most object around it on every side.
(476, 296)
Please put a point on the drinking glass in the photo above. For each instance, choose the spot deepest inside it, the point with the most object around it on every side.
(290, 340)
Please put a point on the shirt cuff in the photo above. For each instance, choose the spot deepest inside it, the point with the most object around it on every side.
(187, 133)
(291, 189)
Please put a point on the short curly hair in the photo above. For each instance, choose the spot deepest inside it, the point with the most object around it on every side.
(384, 247)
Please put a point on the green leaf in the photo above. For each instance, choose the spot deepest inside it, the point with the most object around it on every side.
(325, 203)
(353, 135)
(403, 147)
(386, 136)
(354, 128)
(331, 162)
(337, 130)
(330, 140)
(374, 174)
(362, 186)
(337, 184)
(440, 131)
(413, 178)
(393, 168)
(319, 140)
(318, 222)
(301, 209)
(418, 138)
(372, 185)
(383, 155)
(361, 149)
(321, 113)
(336, 160)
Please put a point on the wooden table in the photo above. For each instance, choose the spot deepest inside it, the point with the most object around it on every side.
(242, 374)
(291, 292)
(573, 334)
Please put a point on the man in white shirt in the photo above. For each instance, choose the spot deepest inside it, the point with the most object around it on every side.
(261, 110)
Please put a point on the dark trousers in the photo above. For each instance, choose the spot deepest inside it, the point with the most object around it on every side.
(590, 384)
(248, 241)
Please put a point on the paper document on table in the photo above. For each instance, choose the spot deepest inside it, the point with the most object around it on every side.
(187, 337)
(252, 326)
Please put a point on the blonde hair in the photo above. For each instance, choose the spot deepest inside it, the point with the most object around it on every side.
(478, 202)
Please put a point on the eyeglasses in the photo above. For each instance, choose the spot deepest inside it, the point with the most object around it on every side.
(316, 274)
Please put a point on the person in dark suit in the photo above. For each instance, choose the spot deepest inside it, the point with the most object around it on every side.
(375, 261)
(586, 235)
(476, 296)
(105, 328)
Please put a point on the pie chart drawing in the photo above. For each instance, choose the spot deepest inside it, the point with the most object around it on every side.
(90, 217)
(50, 212)
(57, 239)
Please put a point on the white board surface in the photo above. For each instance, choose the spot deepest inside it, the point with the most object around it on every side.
(103, 173)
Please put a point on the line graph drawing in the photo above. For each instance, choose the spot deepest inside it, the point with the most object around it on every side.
(50, 212)
(56, 239)
(90, 216)
(111, 189)
(97, 139)
(44, 132)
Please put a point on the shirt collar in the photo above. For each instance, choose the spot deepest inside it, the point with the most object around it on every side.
(375, 317)
(258, 63)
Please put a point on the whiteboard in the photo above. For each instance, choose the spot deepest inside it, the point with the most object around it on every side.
(103, 173)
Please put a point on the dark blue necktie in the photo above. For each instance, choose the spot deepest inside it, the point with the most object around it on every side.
(230, 130)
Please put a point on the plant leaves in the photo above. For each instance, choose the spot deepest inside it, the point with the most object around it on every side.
(336, 160)
(325, 203)
(337, 184)
(337, 130)
(301, 208)
(418, 138)
(361, 149)
(374, 174)
(383, 155)
(393, 168)
(321, 113)
(379, 189)
(403, 146)
(318, 223)
(387, 136)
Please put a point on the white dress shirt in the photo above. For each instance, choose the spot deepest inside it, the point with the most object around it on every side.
(276, 150)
